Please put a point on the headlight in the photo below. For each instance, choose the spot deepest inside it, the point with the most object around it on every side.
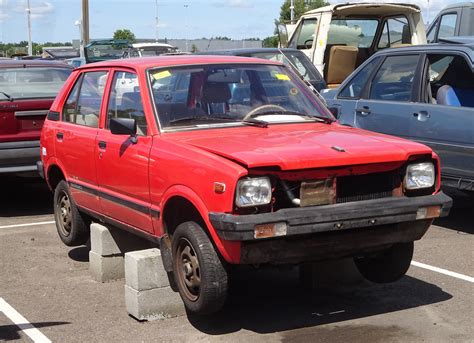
(420, 175)
(253, 192)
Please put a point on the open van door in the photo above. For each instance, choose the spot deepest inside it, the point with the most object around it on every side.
(282, 30)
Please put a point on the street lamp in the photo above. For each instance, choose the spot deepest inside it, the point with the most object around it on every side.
(186, 26)
(78, 23)
(28, 14)
(156, 20)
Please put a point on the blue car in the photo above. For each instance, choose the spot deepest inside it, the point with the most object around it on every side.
(422, 93)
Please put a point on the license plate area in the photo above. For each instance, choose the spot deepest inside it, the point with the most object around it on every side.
(318, 192)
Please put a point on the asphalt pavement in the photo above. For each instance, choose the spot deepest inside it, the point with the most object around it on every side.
(46, 284)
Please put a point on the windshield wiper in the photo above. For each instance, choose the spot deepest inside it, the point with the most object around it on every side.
(8, 96)
(295, 113)
(255, 122)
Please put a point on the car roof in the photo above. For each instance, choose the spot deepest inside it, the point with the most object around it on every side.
(32, 63)
(459, 4)
(468, 49)
(142, 63)
(247, 51)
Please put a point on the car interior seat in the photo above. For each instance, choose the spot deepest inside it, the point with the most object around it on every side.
(132, 106)
(342, 62)
(216, 96)
(447, 96)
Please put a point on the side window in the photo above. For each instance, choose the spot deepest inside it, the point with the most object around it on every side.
(447, 26)
(304, 37)
(396, 31)
(430, 36)
(125, 100)
(394, 79)
(353, 90)
(83, 103)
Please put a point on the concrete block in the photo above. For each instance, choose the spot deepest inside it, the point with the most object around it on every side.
(144, 270)
(109, 241)
(106, 268)
(152, 304)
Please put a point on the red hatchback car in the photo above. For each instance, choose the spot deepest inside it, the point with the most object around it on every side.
(228, 160)
(27, 90)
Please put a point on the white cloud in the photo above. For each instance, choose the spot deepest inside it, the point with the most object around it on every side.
(233, 3)
(39, 9)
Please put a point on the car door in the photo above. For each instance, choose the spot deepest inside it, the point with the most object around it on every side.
(448, 130)
(305, 36)
(122, 161)
(76, 137)
(387, 105)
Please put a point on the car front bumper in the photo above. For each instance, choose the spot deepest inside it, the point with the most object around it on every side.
(332, 231)
(19, 157)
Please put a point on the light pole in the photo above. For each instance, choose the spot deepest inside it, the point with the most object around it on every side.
(186, 25)
(292, 11)
(28, 14)
(78, 23)
(156, 20)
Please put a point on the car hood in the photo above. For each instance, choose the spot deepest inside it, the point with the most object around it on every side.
(300, 146)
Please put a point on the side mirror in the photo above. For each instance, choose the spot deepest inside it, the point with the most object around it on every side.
(334, 111)
(124, 126)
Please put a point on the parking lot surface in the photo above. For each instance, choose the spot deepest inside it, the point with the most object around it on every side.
(48, 284)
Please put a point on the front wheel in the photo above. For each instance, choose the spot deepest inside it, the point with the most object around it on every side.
(72, 226)
(388, 265)
(198, 270)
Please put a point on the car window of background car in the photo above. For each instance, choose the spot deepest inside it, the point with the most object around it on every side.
(353, 32)
(355, 87)
(447, 27)
(304, 34)
(394, 79)
(27, 83)
(430, 36)
(227, 92)
(395, 31)
(84, 108)
(126, 103)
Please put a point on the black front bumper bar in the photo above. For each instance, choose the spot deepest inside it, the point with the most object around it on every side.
(330, 218)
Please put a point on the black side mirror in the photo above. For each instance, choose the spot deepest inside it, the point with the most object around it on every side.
(334, 111)
(124, 126)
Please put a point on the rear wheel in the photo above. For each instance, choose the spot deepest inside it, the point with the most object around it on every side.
(72, 226)
(199, 273)
(388, 265)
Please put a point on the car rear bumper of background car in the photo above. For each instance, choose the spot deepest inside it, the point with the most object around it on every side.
(19, 157)
(331, 231)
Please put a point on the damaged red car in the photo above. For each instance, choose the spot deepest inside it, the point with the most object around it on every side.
(223, 161)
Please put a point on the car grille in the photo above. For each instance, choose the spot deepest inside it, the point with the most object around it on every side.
(367, 187)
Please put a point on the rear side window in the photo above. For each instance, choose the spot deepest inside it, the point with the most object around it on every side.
(30, 83)
(353, 90)
(447, 26)
(125, 100)
(83, 103)
(394, 79)
(396, 31)
(305, 34)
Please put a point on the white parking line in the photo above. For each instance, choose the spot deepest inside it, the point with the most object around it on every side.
(443, 271)
(20, 321)
(24, 225)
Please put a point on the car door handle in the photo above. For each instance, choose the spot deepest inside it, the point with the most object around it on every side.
(102, 145)
(422, 115)
(364, 111)
(59, 136)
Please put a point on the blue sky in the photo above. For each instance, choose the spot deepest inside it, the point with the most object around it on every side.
(53, 20)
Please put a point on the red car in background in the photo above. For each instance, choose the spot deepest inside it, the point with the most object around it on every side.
(224, 160)
(27, 90)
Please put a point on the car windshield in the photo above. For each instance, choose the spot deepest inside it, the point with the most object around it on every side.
(223, 95)
(37, 82)
(359, 33)
(295, 59)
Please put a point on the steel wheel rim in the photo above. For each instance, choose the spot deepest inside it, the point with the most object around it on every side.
(64, 216)
(188, 269)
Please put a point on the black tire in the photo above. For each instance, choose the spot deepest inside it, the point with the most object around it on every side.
(386, 266)
(199, 273)
(73, 226)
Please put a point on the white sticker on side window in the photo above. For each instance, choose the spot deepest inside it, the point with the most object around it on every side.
(43, 151)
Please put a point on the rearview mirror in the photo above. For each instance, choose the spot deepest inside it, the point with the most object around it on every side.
(123, 126)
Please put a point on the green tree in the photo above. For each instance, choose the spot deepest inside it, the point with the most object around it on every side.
(270, 42)
(301, 6)
(194, 48)
(124, 34)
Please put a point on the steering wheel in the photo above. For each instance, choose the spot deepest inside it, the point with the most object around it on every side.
(263, 108)
(306, 43)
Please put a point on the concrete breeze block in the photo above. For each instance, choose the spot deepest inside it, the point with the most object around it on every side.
(144, 270)
(106, 268)
(102, 242)
(157, 303)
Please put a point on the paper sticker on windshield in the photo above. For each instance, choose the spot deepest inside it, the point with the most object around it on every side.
(161, 75)
(282, 77)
